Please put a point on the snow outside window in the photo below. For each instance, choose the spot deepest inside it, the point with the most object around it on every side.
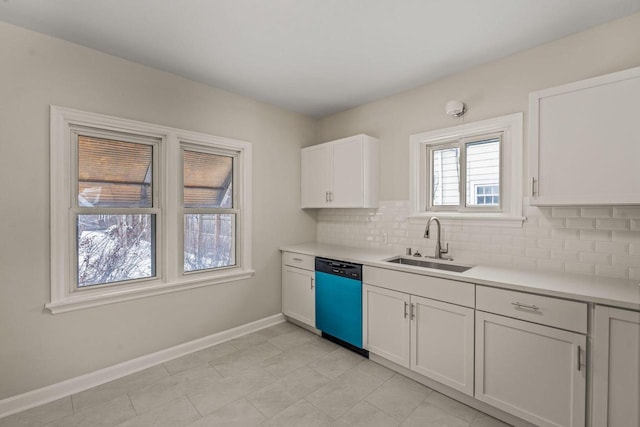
(139, 209)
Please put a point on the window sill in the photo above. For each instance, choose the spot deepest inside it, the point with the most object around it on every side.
(470, 219)
(82, 300)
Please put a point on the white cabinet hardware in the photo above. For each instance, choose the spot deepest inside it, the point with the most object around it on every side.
(530, 307)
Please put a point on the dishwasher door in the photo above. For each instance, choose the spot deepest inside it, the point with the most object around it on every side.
(339, 307)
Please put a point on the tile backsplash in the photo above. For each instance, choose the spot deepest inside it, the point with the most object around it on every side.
(601, 241)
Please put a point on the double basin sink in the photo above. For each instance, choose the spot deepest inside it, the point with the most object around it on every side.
(429, 264)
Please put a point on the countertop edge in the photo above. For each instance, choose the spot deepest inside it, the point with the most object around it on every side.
(597, 290)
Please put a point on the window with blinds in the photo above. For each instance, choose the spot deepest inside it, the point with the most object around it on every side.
(209, 210)
(115, 218)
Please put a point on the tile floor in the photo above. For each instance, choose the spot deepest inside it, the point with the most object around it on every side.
(279, 376)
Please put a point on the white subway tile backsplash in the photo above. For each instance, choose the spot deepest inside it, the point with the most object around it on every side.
(595, 258)
(612, 271)
(595, 235)
(581, 223)
(579, 245)
(565, 255)
(539, 253)
(615, 248)
(612, 224)
(603, 241)
(565, 212)
(579, 268)
(626, 212)
(596, 212)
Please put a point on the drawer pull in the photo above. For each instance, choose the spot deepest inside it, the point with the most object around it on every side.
(312, 283)
(530, 307)
(297, 259)
(405, 309)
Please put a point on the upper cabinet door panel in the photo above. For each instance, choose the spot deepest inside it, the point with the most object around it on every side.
(348, 172)
(584, 142)
(317, 166)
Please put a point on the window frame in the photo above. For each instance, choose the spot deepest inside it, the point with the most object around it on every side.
(236, 207)
(462, 144)
(169, 274)
(511, 173)
(75, 210)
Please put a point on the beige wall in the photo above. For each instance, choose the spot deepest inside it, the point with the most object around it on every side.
(37, 348)
(491, 90)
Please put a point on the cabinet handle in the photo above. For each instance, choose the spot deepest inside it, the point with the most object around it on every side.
(533, 186)
(413, 314)
(326, 196)
(579, 358)
(530, 307)
(331, 196)
(405, 309)
(312, 279)
(297, 259)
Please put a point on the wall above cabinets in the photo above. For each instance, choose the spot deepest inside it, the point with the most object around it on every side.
(341, 173)
(584, 142)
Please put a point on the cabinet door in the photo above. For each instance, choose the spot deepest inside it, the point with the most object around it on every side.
(579, 141)
(385, 322)
(298, 295)
(316, 169)
(348, 173)
(534, 372)
(442, 342)
(616, 367)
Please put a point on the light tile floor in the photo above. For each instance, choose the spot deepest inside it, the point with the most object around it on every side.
(279, 376)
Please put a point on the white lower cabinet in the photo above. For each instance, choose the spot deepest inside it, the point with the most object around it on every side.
(298, 289)
(442, 337)
(386, 323)
(616, 368)
(532, 371)
(432, 338)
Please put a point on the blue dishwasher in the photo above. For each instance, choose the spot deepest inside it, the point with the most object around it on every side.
(339, 300)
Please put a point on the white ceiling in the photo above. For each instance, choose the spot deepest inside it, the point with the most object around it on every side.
(315, 57)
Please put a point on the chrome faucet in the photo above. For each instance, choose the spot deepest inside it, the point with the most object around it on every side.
(439, 250)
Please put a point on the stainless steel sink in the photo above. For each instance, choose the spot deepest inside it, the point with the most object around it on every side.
(429, 264)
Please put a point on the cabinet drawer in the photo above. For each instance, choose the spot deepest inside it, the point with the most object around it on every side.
(549, 311)
(299, 260)
(446, 290)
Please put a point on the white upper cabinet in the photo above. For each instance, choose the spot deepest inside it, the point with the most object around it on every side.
(584, 142)
(341, 173)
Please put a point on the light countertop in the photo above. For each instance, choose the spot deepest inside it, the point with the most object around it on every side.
(601, 290)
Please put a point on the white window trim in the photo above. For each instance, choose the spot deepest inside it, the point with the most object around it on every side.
(169, 277)
(512, 174)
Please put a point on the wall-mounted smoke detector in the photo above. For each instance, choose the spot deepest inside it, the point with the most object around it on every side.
(455, 108)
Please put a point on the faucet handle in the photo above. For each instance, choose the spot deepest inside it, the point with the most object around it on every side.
(445, 250)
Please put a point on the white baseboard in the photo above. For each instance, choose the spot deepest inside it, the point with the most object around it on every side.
(28, 400)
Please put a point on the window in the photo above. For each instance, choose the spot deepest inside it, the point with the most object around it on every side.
(140, 209)
(473, 161)
(471, 171)
(487, 195)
